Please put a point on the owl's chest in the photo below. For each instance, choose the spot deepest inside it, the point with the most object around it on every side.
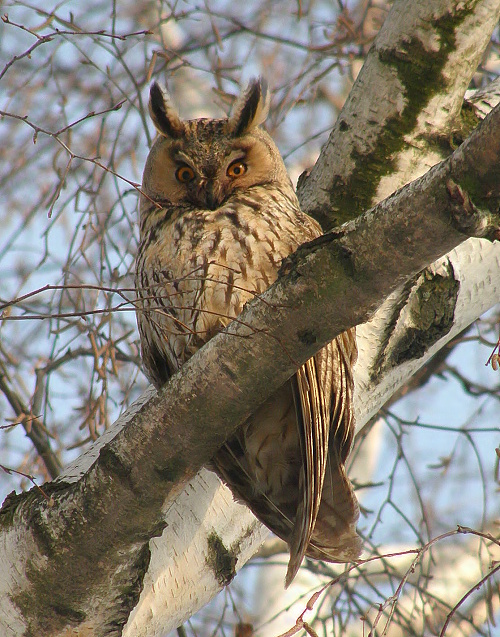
(206, 265)
(218, 260)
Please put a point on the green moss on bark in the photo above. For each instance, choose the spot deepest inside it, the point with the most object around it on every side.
(220, 559)
(424, 316)
(420, 72)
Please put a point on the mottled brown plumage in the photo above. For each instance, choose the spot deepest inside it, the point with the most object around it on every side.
(226, 218)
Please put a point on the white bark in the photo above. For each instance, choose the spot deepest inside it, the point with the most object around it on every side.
(179, 580)
(476, 265)
(12, 542)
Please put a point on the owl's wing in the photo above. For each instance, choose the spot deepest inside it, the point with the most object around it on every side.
(314, 432)
(314, 509)
(327, 512)
(156, 364)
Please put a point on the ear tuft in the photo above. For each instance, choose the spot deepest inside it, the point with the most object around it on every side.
(164, 116)
(251, 108)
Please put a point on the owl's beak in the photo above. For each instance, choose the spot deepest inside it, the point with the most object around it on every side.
(210, 194)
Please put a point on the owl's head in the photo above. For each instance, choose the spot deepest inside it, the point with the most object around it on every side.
(203, 162)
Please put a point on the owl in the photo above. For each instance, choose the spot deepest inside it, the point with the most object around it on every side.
(218, 214)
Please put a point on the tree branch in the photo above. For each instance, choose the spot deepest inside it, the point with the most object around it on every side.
(33, 427)
(419, 68)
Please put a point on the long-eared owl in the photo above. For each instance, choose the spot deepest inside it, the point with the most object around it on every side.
(217, 217)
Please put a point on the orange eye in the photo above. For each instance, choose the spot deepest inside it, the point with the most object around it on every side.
(236, 169)
(184, 174)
